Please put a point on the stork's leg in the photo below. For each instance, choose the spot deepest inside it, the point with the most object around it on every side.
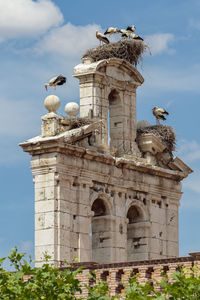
(157, 122)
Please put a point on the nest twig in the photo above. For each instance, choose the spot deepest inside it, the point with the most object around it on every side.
(165, 133)
(129, 50)
(76, 122)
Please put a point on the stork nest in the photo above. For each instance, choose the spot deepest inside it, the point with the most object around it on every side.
(165, 133)
(129, 50)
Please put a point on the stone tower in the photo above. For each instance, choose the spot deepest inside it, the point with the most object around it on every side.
(102, 192)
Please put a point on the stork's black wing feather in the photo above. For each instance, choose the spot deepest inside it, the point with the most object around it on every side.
(165, 112)
(162, 117)
(129, 28)
(138, 38)
(60, 80)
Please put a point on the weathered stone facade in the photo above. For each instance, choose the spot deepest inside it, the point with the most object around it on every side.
(100, 194)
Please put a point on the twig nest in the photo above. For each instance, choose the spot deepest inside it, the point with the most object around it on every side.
(72, 109)
(129, 50)
(52, 103)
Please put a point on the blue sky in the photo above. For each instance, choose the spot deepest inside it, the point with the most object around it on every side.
(39, 39)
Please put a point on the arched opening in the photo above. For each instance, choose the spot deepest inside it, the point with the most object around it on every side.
(101, 232)
(134, 215)
(115, 121)
(137, 245)
(99, 208)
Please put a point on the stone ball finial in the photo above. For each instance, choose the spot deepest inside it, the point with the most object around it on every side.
(142, 124)
(52, 103)
(72, 109)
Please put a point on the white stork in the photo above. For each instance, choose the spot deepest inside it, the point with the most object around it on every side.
(134, 36)
(124, 33)
(102, 38)
(131, 28)
(59, 80)
(111, 30)
(159, 113)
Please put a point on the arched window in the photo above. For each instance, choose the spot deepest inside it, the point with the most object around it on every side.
(101, 238)
(115, 121)
(137, 246)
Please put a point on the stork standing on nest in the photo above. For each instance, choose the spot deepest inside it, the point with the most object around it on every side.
(102, 38)
(111, 30)
(134, 36)
(131, 29)
(59, 80)
(159, 113)
(124, 33)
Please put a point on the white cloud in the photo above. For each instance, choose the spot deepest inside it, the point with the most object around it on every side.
(159, 42)
(165, 79)
(190, 150)
(25, 18)
(193, 183)
(69, 40)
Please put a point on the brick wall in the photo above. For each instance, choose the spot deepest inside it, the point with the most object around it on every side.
(148, 270)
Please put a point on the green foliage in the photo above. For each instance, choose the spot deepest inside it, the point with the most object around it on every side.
(46, 282)
(138, 291)
(98, 291)
(50, 283)
(185, 285)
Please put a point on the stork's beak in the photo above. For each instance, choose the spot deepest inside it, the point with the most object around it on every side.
(45, 87)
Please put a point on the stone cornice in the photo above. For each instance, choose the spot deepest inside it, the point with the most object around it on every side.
(57, 144)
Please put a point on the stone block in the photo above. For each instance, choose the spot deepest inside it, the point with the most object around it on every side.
(39, 194)
(82, 224)
(84, 255)
(172, 233)
(39, 221)
(64, 253)
(64, 237)
(101, 254)
(138, 256)
(65, 221)
(102, 224)
(40, 251)
(46, 206)
(45, 237)
(65, 206)
(84, 241)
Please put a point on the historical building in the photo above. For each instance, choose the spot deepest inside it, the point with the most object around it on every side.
(104, 191)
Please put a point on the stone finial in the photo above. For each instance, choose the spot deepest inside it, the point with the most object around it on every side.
(72, 109)
(52, 103)
(142, 124)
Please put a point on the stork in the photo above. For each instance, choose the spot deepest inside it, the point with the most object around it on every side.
(124, 33)
(134, 36)
(159, 113)
(111, 30)
(131, 28)
(102, 38)
(59, 80)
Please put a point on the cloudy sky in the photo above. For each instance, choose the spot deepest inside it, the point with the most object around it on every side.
(39, 39)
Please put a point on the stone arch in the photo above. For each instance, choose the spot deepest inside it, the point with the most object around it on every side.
(140, 206)
(107, 201)
(101, 228)
(137, 230)
(122, 65)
